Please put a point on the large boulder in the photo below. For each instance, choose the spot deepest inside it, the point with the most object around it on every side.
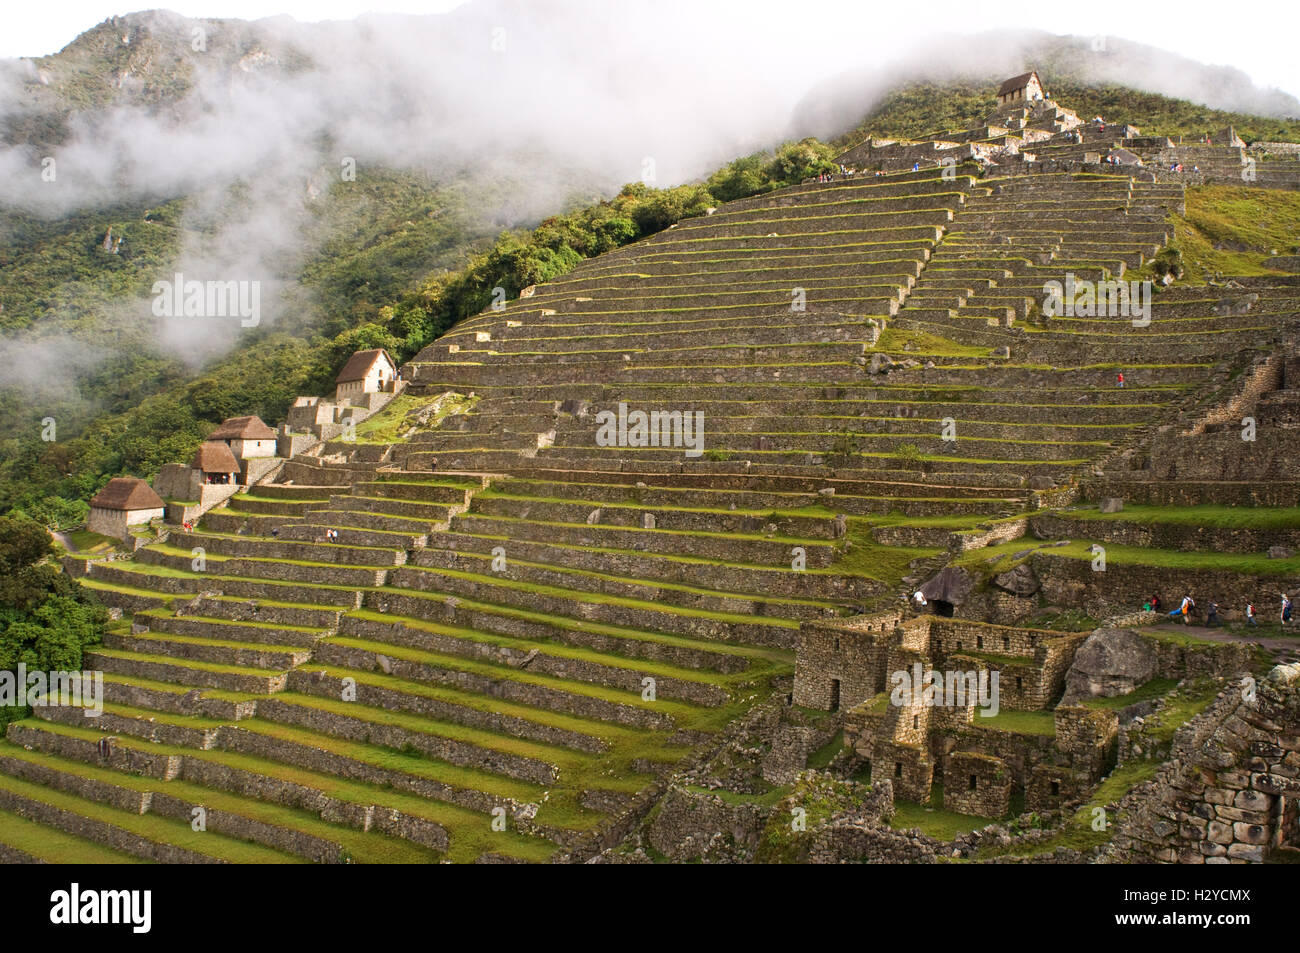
(1020, 581)
(1110, 662)
(953, 584)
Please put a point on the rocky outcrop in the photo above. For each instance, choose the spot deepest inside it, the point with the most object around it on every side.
(1110, 662)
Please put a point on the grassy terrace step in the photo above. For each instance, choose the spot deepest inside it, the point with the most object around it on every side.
(346, 734)
(587, 488)
(393, 506)
(1166, 559)
(536, 623)
(450, 742)
(500, 589)
(510, 653)
(359, 804)
(289, 550)
(201, 649)
(646, 590)
(286, 829)
(462, 708)
(357, 526)
(355, 529)
(146, 836)
(543, 692)
(169, 581)
(44, 844)
(186, 672)
(813, 523)
(769, 551)
(748, 578)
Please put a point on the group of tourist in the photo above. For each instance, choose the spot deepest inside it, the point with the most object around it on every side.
(1187, 605)
(331, 535)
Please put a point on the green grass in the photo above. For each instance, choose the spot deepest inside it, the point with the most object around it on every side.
(54, 846)
(933, 819)
(1223, 218)
(1020, 722)
(1156, 688)
(1209, 515)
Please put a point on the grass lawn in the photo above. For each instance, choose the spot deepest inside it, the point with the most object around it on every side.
(932, 819)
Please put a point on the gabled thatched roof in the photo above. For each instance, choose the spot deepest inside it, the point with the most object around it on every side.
(359, 365)
(243, 428)
(127, 493)
(1018, 82)
(213, 456)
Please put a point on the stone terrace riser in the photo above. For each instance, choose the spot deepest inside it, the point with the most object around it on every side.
(811, 322)
(778, 334)
(838, 268)
(323, 685)
(401, 739)
(203, 627)
(775, 581)
(502, 621)
(722, 498)
(694, 358)
(235, 781)
(831, 206)
(695, 627)
(570, 431)
(844, 232)
(800, 415)
(568, 703)
(810, 527)
(759, 551)
(271, 549)
(538, 662)
(801, 222)
(385, 532)
(855, 189)
(793, 450)
(848, 255)
(1165, 535)
(275, 508)
(256, 611)
(317, 759)
(173, 585)
(270, 659)
(977, 374)
(161, 804)
(806, 395)
(180, 674)
(631, 589)
(392, 506)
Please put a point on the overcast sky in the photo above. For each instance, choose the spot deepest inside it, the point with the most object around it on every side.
(1260, 39)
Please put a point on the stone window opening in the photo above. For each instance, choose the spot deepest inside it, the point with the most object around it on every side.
(837, 644)
(835, 694)
(979, 642)
(916, 721)
(898, 769)
(1019, 683)
(1056, 789)
(1006, 642)
(974, 782)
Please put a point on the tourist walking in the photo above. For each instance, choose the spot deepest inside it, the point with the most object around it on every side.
(1212, 617)
(1250, 614)
(1286, 609)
